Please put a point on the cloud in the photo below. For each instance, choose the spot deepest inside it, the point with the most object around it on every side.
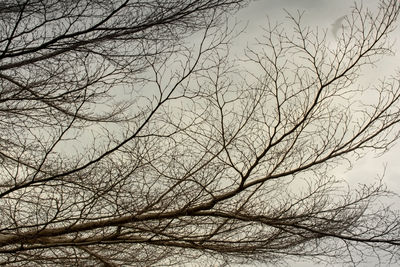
(337, 25)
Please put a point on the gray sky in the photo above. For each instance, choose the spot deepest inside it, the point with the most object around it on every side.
(323, 13)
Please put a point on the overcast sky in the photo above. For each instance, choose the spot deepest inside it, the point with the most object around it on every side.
(323, 13)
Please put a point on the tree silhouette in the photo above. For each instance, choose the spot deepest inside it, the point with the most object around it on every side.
(123, 143)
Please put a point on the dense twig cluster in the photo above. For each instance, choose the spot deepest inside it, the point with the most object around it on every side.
(123, 144)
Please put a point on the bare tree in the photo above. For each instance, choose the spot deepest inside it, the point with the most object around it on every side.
(123, 143)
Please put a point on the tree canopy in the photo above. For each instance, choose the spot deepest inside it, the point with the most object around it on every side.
(130, 136)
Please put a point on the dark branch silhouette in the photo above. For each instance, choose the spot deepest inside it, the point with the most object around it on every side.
(125, 143)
